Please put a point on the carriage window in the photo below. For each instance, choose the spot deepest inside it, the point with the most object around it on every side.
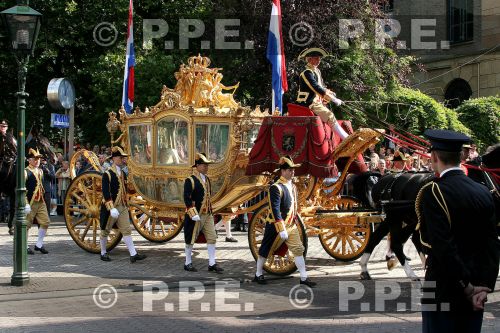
(172, 142)
(140, 143)
(212, 139)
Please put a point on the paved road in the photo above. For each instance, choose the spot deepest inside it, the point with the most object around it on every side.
(71, 288)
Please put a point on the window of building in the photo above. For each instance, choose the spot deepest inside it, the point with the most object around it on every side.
(460, 20)
(386, 6)
(458, 91)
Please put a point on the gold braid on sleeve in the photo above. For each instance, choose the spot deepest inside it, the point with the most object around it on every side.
(418, 211)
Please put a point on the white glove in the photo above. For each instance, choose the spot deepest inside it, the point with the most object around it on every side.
(27, 209)
(196, 218)
(284, 235)
(336, 101)
(114, 213)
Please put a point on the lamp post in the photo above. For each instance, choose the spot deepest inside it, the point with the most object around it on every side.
(23, 26)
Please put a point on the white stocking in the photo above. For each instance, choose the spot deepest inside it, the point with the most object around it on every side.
(41, 235)
(260, 265)
(301, 266)
(211, 254)
(130, 245)
(188, 251)
(339, 130)
(228, 229)
(103, 241)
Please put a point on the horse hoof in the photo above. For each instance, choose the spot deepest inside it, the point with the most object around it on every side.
(392, 263)
(365, 276)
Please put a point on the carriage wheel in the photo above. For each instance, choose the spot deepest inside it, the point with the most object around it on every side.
(158, 229)
(275, 264)
(348, 239)
(82, 206)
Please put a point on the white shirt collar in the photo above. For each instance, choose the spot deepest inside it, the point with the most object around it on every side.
(118, 170)
(203, 177)
(449, 169)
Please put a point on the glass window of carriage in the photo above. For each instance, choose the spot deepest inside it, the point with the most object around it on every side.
(172, 142)
(140, 143)
(212, 140)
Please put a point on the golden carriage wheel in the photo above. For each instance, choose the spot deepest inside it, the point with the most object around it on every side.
(347, 240)
(82, 206)
(157, 229)
(277, 265)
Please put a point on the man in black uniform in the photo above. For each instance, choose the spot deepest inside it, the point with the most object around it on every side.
(114, 208)
(281, 226)
(457, 229)
(313, 93)
(199, 218)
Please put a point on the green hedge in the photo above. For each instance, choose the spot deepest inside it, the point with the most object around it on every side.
(418, 112)
(482, 116)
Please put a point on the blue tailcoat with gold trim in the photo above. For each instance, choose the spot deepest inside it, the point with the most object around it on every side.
(309, 87)
(112, 186)
(198, 197)
(281, 210)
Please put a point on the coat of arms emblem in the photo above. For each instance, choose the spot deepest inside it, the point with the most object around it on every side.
(288, 143)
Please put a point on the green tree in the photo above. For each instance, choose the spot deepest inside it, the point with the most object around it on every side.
(482, 116)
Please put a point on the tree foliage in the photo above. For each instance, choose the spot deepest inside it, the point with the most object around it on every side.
(67, 48)
(482, 116)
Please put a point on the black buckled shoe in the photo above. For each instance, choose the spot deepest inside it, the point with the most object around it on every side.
(216, 269)
(308, 282)
(41, 249)
(259, 279)
(105, 257)
(11, 231)
(365, 276)
(30, 251)
(231, 240)
(190, 268)
(137, 257)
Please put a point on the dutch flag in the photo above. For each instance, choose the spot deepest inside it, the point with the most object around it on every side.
(128, 79)
(276, 56)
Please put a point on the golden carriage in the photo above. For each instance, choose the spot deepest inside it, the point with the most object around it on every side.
(199, 116)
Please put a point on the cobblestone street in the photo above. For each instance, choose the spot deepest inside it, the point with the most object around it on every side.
(158, 295)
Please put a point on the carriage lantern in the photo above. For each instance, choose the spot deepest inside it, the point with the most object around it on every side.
(23, 26)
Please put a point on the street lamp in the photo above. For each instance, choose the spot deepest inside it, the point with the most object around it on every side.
(23, 26)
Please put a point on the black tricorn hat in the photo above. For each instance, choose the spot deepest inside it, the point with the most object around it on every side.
(445, 140)
(313, 52)
(201, 159)
(34, 153)
(118, 152)
(4, 122)
(286, 162)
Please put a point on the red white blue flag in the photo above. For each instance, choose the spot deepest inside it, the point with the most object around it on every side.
(128, 79)
(276, 56)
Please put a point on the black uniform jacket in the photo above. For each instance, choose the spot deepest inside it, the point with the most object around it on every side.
(309, 87)
(457, 227)
(112, 186)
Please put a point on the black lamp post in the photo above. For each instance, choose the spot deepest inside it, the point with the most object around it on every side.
(23, 26)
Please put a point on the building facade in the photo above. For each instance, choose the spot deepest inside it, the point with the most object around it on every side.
(462, 59)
